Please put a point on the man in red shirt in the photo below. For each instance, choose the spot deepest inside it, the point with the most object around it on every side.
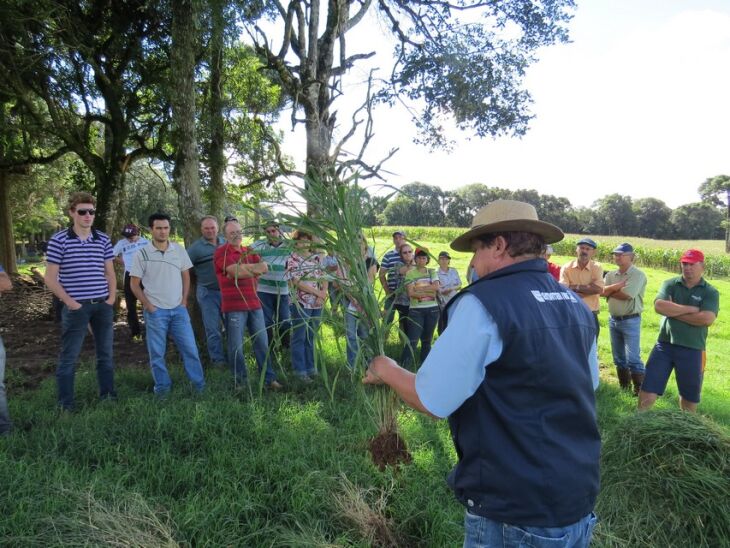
(553, 269)
(237, 267)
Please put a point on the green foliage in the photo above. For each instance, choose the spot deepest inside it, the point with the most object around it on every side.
(716, 190)
(613, 215)
(471, 70)
(697, 221)
(148, 191)
(653, 218)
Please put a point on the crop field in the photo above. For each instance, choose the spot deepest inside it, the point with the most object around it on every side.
(259, 468)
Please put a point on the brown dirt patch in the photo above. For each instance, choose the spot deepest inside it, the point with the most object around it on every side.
(33, 339)
(389, 449)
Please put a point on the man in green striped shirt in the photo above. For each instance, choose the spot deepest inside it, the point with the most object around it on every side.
(273, 289)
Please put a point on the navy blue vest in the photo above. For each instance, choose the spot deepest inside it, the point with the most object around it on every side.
(527, 440)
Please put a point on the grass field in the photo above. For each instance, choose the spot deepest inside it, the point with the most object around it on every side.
(274, 469)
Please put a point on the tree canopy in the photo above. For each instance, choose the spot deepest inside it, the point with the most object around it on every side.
(464, 60)
(716, 190)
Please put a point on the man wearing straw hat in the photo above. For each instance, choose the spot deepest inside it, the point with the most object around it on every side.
(511, 373)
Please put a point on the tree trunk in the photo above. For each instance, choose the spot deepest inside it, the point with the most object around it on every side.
(216, 154)
(186, 178)
(108, 191)
(319, 139)
(7, 238)
(185, 175)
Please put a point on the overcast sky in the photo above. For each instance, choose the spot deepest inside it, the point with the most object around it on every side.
(638, 103)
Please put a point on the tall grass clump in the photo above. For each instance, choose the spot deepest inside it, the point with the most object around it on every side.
(665, 482)
(337, 219)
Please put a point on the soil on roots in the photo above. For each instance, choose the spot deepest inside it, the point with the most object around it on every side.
(389, 449)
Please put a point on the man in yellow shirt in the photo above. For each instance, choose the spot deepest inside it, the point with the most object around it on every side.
(585, 276)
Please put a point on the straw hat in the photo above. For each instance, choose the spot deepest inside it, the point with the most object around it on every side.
(507, 216)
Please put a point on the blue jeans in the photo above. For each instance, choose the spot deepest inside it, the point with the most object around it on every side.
(480, 532)
(209, 301)
(5, 423)
(625, 343)
(73, 332)
(420, 325)
(236, 324)
(176, 322)
(305, 323)
(276, 315)
(355, 330)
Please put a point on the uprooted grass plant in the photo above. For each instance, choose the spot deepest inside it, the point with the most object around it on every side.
(337, 224)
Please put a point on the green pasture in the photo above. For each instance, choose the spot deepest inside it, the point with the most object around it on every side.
(258, 468)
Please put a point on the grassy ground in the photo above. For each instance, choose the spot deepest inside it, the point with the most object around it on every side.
(249, 469)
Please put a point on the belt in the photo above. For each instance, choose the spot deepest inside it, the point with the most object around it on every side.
(622, 318)
(93, 301)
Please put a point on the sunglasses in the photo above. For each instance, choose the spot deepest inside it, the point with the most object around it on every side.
(229, 218)
(84, 212)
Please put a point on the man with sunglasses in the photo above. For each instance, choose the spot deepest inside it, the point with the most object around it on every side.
(80, 272)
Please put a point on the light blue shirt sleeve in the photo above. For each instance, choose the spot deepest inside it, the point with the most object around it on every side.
(458, 361)
(593, 362)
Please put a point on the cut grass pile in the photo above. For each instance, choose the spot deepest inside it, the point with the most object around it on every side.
(665, 482)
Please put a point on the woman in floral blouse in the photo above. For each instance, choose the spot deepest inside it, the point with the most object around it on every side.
(308, 285)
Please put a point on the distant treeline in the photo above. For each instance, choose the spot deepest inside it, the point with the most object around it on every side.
(427, 205)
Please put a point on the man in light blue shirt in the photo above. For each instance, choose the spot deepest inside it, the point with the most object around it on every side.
(511, 371)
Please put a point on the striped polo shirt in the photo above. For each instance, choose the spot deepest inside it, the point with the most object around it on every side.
(390, 263)
(81, 263)
(276, 257)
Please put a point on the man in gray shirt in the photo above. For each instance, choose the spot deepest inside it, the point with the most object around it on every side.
(207, 292)
(162, 267)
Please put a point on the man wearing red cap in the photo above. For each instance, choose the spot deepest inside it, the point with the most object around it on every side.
(689, 306)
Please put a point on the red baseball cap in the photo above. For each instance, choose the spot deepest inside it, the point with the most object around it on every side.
(692, 256)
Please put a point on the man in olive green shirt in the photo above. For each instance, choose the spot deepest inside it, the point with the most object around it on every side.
(624, 292)
(689, 306)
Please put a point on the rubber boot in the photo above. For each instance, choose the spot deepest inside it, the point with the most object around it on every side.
(637, 379)
(624, 377)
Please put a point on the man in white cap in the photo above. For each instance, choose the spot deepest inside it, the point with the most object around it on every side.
(124, 252)
(511, 372)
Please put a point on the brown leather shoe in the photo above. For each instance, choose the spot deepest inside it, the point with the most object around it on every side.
(275, 385)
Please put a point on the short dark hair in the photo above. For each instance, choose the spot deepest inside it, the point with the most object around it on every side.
(158, 216)
(518, 243)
